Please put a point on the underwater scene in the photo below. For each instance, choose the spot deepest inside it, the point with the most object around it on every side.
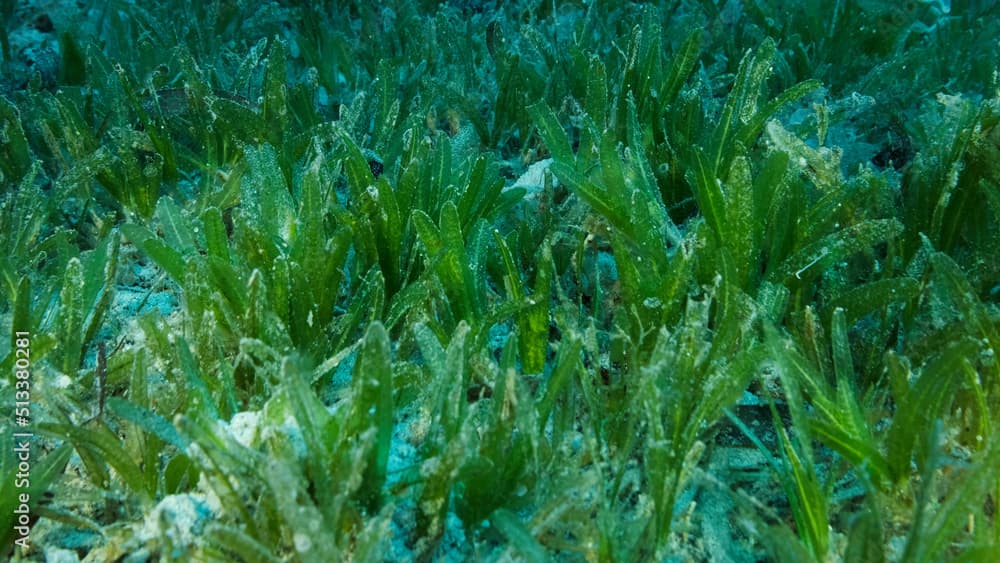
(539, 280)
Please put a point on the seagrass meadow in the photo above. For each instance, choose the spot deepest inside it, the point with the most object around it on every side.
(694, 280)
